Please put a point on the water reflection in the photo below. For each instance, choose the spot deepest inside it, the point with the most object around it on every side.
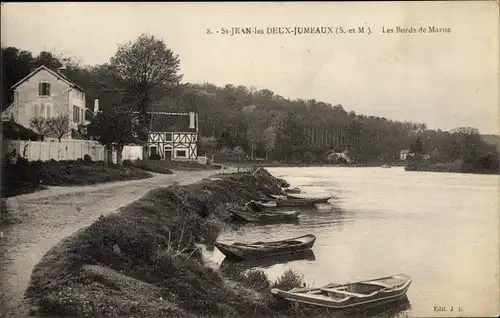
(268, 261)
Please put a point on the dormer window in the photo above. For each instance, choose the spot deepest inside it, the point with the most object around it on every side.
(43, 89)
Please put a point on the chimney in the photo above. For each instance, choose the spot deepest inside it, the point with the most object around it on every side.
(191, 120)
(62, 70)
(96, 106)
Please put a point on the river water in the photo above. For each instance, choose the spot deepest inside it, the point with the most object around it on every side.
(441, 229)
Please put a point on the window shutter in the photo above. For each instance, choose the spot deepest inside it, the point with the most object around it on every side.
(47, 90)
(40, 89)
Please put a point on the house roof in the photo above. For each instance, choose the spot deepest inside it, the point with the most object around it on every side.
(170, 122)
(56, 74)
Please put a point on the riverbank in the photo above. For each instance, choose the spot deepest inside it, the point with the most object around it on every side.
(457, 166)
(25, 177)
(143, 261)
(40, 220)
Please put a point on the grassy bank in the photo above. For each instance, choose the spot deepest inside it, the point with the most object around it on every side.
(457, 166)
(142, 261)
(26, 177)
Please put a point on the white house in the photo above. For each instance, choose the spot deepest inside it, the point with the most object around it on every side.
(173, 136)
(46, 93)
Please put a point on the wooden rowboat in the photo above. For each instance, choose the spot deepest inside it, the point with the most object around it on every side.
(265, 249)
(303, 196)
(264, 216)
(359, 295)
(293, 190)
(294, 202)
(260, 205)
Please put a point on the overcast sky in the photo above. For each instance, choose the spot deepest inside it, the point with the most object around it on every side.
(445, 80)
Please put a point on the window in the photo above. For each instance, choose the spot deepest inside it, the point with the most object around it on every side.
(169, 137)
(76, 114)
(43, 89)
(153, 150)
(81, 115)
(180, 153)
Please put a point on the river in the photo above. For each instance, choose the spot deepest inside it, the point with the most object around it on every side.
(441, 229)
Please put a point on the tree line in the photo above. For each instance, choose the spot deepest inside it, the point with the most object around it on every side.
(144, 75)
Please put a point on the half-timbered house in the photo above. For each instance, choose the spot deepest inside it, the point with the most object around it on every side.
(173, 136)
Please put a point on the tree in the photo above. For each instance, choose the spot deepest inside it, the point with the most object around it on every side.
(147, 70)
(238, 152)
(113, 129)
(417, 147)
(59, 126)
(41, 126)
(269, 139)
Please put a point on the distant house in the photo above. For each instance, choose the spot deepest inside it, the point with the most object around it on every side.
(404, 154)
(46, 93)
(337, 155)
(173, 136)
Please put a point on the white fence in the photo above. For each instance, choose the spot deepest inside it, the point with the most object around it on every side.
(64, 150)
(132, 153)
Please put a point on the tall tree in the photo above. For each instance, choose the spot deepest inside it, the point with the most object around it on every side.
(112, 129)
(147, 70)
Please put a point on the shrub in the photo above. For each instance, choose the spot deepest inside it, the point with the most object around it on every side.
(155, 157)
(158, 166)
(288, 280)
(87, 158)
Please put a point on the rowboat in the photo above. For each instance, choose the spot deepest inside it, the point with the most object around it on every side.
(260, 205)
(302, 197)
(292, 190)
(290, 202)
(278, 196)
(264, 216)
(265, 249)
(358, 295)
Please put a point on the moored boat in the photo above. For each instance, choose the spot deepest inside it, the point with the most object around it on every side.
(358, 295)
(264, 216)
(292, 190)
(308, 197)
(265, 249)
(260, 205)
(291, 202)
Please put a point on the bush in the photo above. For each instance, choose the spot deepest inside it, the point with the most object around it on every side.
(158, 166)
(87, 158)
(288, 280)
(155, 157)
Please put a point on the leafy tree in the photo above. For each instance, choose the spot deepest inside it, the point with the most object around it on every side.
(145, 71)
(113, 129)
(59, 126)
(269, 139)
(41, 126)
(417, 147)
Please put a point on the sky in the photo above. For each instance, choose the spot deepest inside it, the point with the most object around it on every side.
(446, 80)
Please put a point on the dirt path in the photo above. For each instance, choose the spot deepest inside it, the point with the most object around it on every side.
(51, 215)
